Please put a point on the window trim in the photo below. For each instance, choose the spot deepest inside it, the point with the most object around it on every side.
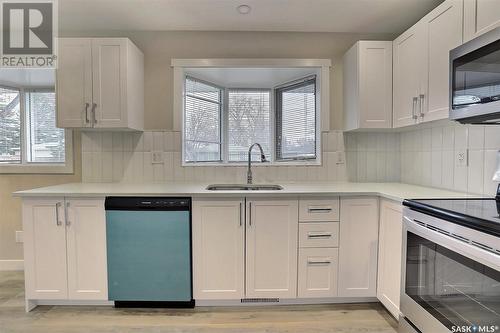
(25, 167)
(279, 115)
(322, 66)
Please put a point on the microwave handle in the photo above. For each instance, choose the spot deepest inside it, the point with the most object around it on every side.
(414, 108)
(421, 99)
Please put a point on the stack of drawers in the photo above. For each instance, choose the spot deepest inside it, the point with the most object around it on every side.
(318, 247)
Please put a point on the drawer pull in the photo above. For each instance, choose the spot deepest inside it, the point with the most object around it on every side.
(319, 210)
(319, 235)
(319, 262)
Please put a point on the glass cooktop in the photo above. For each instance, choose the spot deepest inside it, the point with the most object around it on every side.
(479, 214)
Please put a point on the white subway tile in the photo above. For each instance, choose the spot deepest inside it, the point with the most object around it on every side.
(460, 137)
(158, 141)
(426, 139)
(86, 166)
(460, 178)
(147, 167)
(137, 167)
(158, 173)
(362, 167)
(117, 141)
(107, 141)
(147, 140)
(118, 166)
(426, 168)
(168, 166)
(107, 167)
(492, 137)
(448, 138)
(96, 167)
(437, 138)
(476, 137)
(177, 141)
(437, 167)
(86, 142)
(475, 178)
(448, 169)
(490, 163)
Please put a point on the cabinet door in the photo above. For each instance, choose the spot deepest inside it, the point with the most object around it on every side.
(86, 247)
(480, 16)
(407, 67)
(389, 255)
(109, 61)
(358, 247)
(45, 249)
(218, 249)
(443, 28)
(74, 83)
(271, 248)
(375, 84)
(317, 272)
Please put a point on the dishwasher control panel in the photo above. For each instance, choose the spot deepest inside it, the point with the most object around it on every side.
(147, 203)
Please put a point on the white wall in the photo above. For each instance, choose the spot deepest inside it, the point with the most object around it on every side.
(115, 157)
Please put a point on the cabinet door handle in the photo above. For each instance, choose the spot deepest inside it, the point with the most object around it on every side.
(319, 262)
(319, 235)
(421, 99)
(94, 118)
(319, 210)
(250, 213)
(87, 120)
(66, 214)
(414, 108)
(241, 222)
(58, 221)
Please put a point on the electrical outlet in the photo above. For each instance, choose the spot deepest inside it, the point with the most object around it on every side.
(19, 237)
(340, 157)
(157, 157)
(462, 158)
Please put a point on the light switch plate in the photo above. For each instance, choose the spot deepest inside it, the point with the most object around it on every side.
(156, 157)
(462, 158)
(19, 237)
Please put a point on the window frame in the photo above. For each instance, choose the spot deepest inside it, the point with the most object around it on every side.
(278, 111)
(24, 166)
(321, 67)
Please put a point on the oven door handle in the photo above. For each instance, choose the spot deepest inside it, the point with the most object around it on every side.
(473, 252)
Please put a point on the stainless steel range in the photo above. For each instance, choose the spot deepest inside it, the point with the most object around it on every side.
(451, 266)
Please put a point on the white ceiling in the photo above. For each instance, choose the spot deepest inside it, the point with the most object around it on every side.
(250, 77)
(352, 16)
(27, 78)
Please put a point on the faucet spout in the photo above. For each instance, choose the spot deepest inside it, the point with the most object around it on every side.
(262, 159)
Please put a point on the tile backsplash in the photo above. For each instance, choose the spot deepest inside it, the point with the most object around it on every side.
(449, 155)
(127, 156)
(425, 155)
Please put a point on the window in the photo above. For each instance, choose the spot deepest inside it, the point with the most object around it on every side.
(221, 123)
(10, 126)
(296, 121)
(249, 122)
(203, 115)
(28, 134)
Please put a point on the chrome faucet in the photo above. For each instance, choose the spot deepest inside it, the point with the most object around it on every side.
(262, 159)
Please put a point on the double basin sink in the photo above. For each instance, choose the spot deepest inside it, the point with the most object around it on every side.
(244, 187)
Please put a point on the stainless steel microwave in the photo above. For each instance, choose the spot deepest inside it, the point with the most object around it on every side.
(475, 80)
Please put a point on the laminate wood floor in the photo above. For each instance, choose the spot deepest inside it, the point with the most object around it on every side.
(271, 319)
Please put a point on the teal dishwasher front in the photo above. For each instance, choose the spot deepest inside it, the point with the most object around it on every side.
(149, 251)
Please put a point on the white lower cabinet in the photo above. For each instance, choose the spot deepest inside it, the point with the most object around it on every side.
(271, 248)
(389, 255)
(358, 247)
(317, 272)
(218, 249)
(65, 249)
(245, 250)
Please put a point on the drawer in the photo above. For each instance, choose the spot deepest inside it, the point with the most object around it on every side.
(317, 272)
(319, 234)
(318, 210)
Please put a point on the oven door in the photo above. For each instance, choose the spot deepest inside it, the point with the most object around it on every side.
(448, 284)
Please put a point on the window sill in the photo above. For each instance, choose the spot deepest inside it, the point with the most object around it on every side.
(254, 164)
(36, 169)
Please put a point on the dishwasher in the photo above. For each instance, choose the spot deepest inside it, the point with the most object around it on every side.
(149, 251)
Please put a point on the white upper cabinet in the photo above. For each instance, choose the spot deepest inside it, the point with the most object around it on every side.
(421, 65)
(480, 16)
(271, 248)
(218, 249)
(368, 85)
(358, 247)
(100, 84)
(408, 66)
(443, 29)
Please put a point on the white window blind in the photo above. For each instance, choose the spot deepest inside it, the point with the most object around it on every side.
(296, 120)
(45, 141)
(248, 122)
(203, 110)
(10, 126)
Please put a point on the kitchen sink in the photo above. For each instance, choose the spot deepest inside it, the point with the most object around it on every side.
(244, 187)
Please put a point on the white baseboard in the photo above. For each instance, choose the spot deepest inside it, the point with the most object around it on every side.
(11, 265)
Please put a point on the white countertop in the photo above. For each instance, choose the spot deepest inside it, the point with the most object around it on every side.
(393, 191)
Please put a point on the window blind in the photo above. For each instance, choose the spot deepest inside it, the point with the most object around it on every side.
(10, 125)
(203, 110)
(296, 120)
(248, 122)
